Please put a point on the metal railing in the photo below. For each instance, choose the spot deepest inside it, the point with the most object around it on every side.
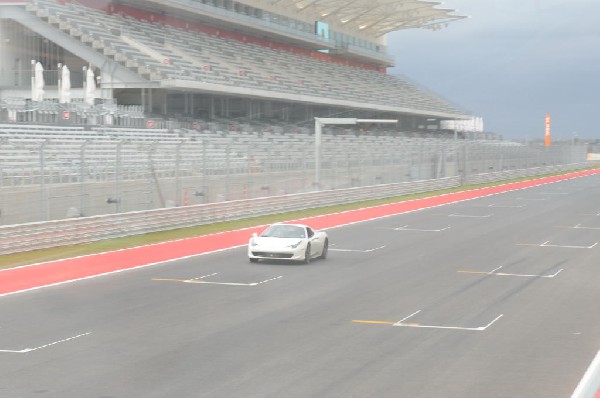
(48, 174)
(507, 175)
(35, 236)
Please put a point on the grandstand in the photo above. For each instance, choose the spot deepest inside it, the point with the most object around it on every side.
(201, 60)
(181, 102)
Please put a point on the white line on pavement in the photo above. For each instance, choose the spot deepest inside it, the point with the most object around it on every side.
(25, 350)
(589, 386)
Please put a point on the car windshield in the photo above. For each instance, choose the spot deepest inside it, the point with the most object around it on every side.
(283, 231)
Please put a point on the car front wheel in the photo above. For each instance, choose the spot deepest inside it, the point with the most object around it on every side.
(325, 249)
(307, 255)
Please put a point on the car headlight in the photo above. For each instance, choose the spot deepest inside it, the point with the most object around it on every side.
(295, 245)
(253, 243)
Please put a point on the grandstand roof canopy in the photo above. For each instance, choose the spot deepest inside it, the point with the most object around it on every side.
(378, 17)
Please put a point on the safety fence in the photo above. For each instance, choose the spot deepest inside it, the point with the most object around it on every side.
(56, 173)
(484, 178)
(33, 236)
(40, 235)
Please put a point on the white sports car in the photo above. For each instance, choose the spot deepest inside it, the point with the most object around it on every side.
(294, 242)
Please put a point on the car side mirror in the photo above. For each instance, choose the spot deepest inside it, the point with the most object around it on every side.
(254, 235)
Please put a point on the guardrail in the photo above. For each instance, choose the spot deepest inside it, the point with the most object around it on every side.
(484, 178)
(42, 235)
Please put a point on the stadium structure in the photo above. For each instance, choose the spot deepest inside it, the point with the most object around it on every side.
(182, 60)
(119, 106)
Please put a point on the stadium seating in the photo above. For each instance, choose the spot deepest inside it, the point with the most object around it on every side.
(212, 152)
(160, 52)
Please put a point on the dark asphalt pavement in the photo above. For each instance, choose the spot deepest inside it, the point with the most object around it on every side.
(493, 297)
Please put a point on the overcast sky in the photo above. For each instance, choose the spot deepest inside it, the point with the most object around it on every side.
(512, 62)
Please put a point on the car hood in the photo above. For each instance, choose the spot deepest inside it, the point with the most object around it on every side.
(276, 242)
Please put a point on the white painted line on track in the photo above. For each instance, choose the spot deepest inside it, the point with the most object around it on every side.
(26, 350)
(578, 226)
(269, 280)
(235, 283)
(492, 322)
(546, 244)
(200, 281)
(357, 250)
(204, 276)
(405, 228)
(495, 269)
(469, 215)
(405, 318)
(402, 323)
(530, 276)
(417, 325)
(532, 199)
(569, 247)
(589, 386)
(494, 273)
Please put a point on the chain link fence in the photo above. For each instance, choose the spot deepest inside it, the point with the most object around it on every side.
(58, 178)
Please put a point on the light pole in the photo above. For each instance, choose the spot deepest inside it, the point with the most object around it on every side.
(43, 206)
(60, 93)
(82, 178)
(33, 91)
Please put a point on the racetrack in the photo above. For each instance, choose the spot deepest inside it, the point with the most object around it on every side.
(491, 297)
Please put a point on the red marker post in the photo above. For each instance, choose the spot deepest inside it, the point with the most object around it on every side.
(547, 133)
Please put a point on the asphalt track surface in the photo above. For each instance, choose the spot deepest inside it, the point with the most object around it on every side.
(490, 297)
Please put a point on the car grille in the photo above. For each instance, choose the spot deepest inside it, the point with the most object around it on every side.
(272, 255)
